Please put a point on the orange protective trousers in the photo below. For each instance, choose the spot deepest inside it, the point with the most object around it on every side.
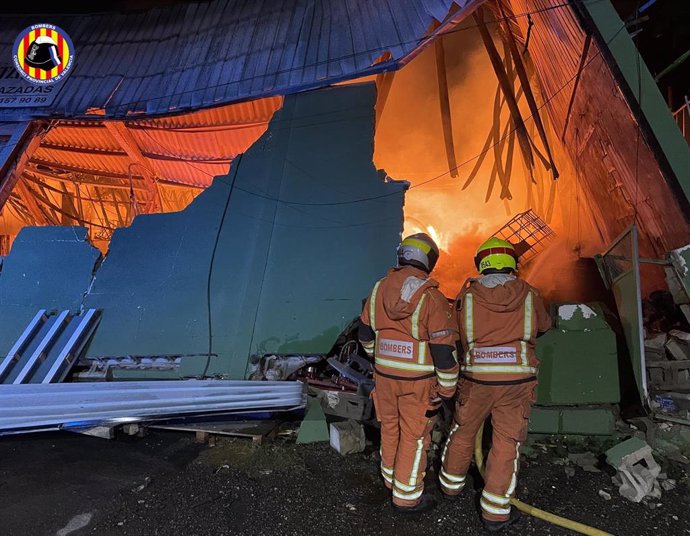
(509, 407)
(404, 410)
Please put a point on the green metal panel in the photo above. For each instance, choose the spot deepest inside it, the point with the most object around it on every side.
(47, 268)
(579, 361)
(621, 268)
(309, 226)
(314, 427)
(644, 88)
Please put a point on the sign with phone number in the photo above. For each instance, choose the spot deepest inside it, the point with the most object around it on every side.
(16, 93)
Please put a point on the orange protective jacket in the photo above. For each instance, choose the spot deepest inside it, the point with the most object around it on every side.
(412, 330)
(499, 317)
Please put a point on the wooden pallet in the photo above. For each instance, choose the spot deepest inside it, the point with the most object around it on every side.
(257, 431)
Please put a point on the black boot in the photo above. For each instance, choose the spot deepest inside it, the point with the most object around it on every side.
(495, 526)
(426, 504)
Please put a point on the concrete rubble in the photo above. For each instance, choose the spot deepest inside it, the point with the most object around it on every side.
(347, 437)
(587, 461)
(638, 471)
(667, 330)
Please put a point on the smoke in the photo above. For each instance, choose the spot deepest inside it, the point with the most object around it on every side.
(409, 145)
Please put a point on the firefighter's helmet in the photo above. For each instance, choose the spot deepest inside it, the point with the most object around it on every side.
(418, 250)
(43, 53)
(496, 255)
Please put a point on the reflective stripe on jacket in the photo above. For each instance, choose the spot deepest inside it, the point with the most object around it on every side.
(407, 313)
(499, 339)
(396, 351)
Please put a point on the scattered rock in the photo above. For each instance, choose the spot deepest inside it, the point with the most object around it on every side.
(604, 495)
(669, 484)
(587, 460)
(76, 523)
(141, 487)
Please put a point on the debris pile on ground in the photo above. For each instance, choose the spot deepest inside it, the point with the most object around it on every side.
(666, 316)
(678, 280)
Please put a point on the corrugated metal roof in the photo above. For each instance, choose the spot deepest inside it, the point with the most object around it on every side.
(189, 56)
(188, 149)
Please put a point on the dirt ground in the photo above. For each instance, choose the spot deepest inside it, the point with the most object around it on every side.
(166, 484)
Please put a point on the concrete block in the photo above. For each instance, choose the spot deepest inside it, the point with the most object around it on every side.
(637, 469)
(347, 437)
(589, 421)
(314, 428)
(579, 365)
(678, 345)
(584, 421)
(680, 260)
(544, 420)
(655, 347)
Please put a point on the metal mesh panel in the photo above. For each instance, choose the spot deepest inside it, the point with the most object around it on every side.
(528, 233)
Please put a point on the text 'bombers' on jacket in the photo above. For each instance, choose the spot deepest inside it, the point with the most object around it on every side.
(408, 327)
(499, 317)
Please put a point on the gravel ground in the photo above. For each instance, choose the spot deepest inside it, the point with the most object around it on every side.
(165, 484)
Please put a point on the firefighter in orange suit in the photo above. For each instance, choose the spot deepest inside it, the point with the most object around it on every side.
(408, 327)
(499, 317)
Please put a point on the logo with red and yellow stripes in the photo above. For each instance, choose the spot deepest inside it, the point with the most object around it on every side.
(43, 54)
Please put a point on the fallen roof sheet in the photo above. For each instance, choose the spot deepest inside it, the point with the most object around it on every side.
(191, 55)
(34, 408)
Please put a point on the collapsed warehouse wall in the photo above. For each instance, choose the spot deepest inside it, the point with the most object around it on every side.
(301, 227)
(590, 109)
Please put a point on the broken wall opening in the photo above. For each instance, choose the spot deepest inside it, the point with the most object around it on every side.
(469, 166)
(490, 184)
(100, 174)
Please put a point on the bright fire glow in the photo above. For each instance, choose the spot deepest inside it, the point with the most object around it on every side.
(409, 145)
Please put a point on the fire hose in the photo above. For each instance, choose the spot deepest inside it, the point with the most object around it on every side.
(531, 510)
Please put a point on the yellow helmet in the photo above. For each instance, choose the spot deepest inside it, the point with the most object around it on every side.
(496, 254)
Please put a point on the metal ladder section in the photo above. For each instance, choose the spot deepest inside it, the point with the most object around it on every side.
(48, 347)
